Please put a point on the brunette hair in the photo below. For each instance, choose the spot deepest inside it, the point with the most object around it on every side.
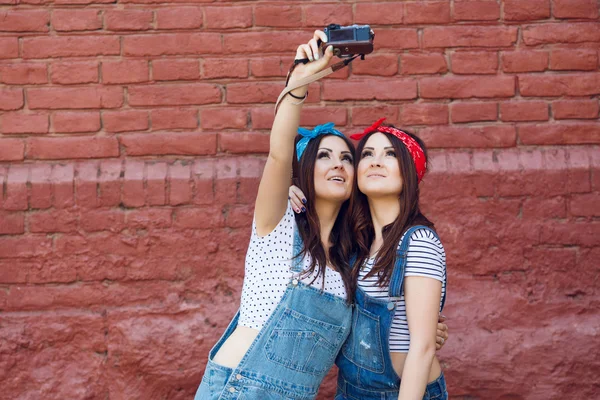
(410, 213)
(341, 250)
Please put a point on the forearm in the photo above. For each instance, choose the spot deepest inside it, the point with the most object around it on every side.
(285, 127)
(415, 373)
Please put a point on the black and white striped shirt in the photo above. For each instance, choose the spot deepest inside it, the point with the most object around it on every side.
(425, 257)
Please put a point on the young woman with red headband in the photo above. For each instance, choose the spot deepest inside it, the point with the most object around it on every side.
(400, 274)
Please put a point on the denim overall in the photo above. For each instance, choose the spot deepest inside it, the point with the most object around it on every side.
(365, 365)
(292, 353)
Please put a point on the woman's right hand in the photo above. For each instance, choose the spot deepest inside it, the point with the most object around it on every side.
(297, 199)
(317, 60)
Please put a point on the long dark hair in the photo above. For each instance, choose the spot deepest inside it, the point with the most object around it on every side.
(341, 250)
(410, 213)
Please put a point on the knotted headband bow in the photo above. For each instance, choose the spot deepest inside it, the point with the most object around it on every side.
(308, 135)
(416, 152)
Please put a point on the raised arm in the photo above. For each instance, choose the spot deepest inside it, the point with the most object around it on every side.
(271, 200)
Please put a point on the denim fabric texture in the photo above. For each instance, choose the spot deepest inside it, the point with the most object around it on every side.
(365, 366)
(292, 353)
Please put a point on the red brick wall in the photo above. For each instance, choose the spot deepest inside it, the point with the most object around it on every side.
(132, 137)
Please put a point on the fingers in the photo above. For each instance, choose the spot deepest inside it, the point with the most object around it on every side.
(314, 48)
(441, 318)
(320, 35)
(296, 202)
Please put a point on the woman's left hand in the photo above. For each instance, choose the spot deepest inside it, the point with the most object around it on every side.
(442, 333)
(297, 199)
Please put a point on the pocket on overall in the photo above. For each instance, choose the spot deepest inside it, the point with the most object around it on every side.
(363, 346)
(303, 344)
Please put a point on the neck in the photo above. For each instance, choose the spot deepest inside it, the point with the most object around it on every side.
(327, 213)
(384, 211)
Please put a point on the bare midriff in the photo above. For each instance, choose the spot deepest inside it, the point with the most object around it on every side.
(235, 347)
(398, 360)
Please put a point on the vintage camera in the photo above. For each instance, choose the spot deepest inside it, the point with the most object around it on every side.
(348, 41)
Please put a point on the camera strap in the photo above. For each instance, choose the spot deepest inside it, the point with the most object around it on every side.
(312, 78)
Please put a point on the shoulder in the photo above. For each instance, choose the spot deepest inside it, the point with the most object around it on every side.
(285, 227)
(425, 255)
(426, 237)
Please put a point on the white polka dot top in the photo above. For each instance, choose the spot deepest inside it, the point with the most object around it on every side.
(268, 272)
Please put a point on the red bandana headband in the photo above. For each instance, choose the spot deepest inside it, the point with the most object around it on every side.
(411, 144)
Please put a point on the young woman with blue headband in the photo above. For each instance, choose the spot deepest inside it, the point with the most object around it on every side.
(295, 310)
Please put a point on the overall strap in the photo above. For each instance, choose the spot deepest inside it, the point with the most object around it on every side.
(296, 249)
(397, 279)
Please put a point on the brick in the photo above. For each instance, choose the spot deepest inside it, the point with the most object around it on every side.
(109, 183)
(575, 109)
(9, 47)
(535, 208)
(23, 74)
(223, 118)
(516, 10)
(268, 66)
(133, 184)
(71, 122)
(75, 98)
(560, 85)
(379, 13)
(320, 15)
(585, 205)
(171, 143)
(15, 197)
(127, 20)
(224, 68)
(76, 20)
(469, 36)
(525, 61)
(24, 124)
(171, 118)
(379, 65)
(61, 179)
(180, 188)
(428, 63)
(476, 11)
(12, 150)
(430, 12)
(263, 42)
(125, 121)
(40, 186)
(575, 32)
(560, 133)
(469, 137)
(397, 39)
(424, 114)
(156, 181)
(70, 46)
(25, 246)
(566, 59)
(179, 18)
(203, 173)
(203, 218)
(52, 221)
(474, 62)
(86, 184)
(24, 20)
(260, 92)
(473, 112)
(467, 87)
(102, 220)
(570, 233)
(240, 216)
(12, 223)
(262, 118)
(129, 71)
(174, 70)
(398, 89)
(226, 18)
(58, 148)
(365, 116)
(68, 73)
(277, 16)
(11, 99)
(164, 44)
(585, 9)
(243, 142)
(149, 218)
(524, 111)
(170, 95)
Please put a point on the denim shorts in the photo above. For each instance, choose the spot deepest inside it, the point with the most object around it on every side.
(215, 378)
(435, 390)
